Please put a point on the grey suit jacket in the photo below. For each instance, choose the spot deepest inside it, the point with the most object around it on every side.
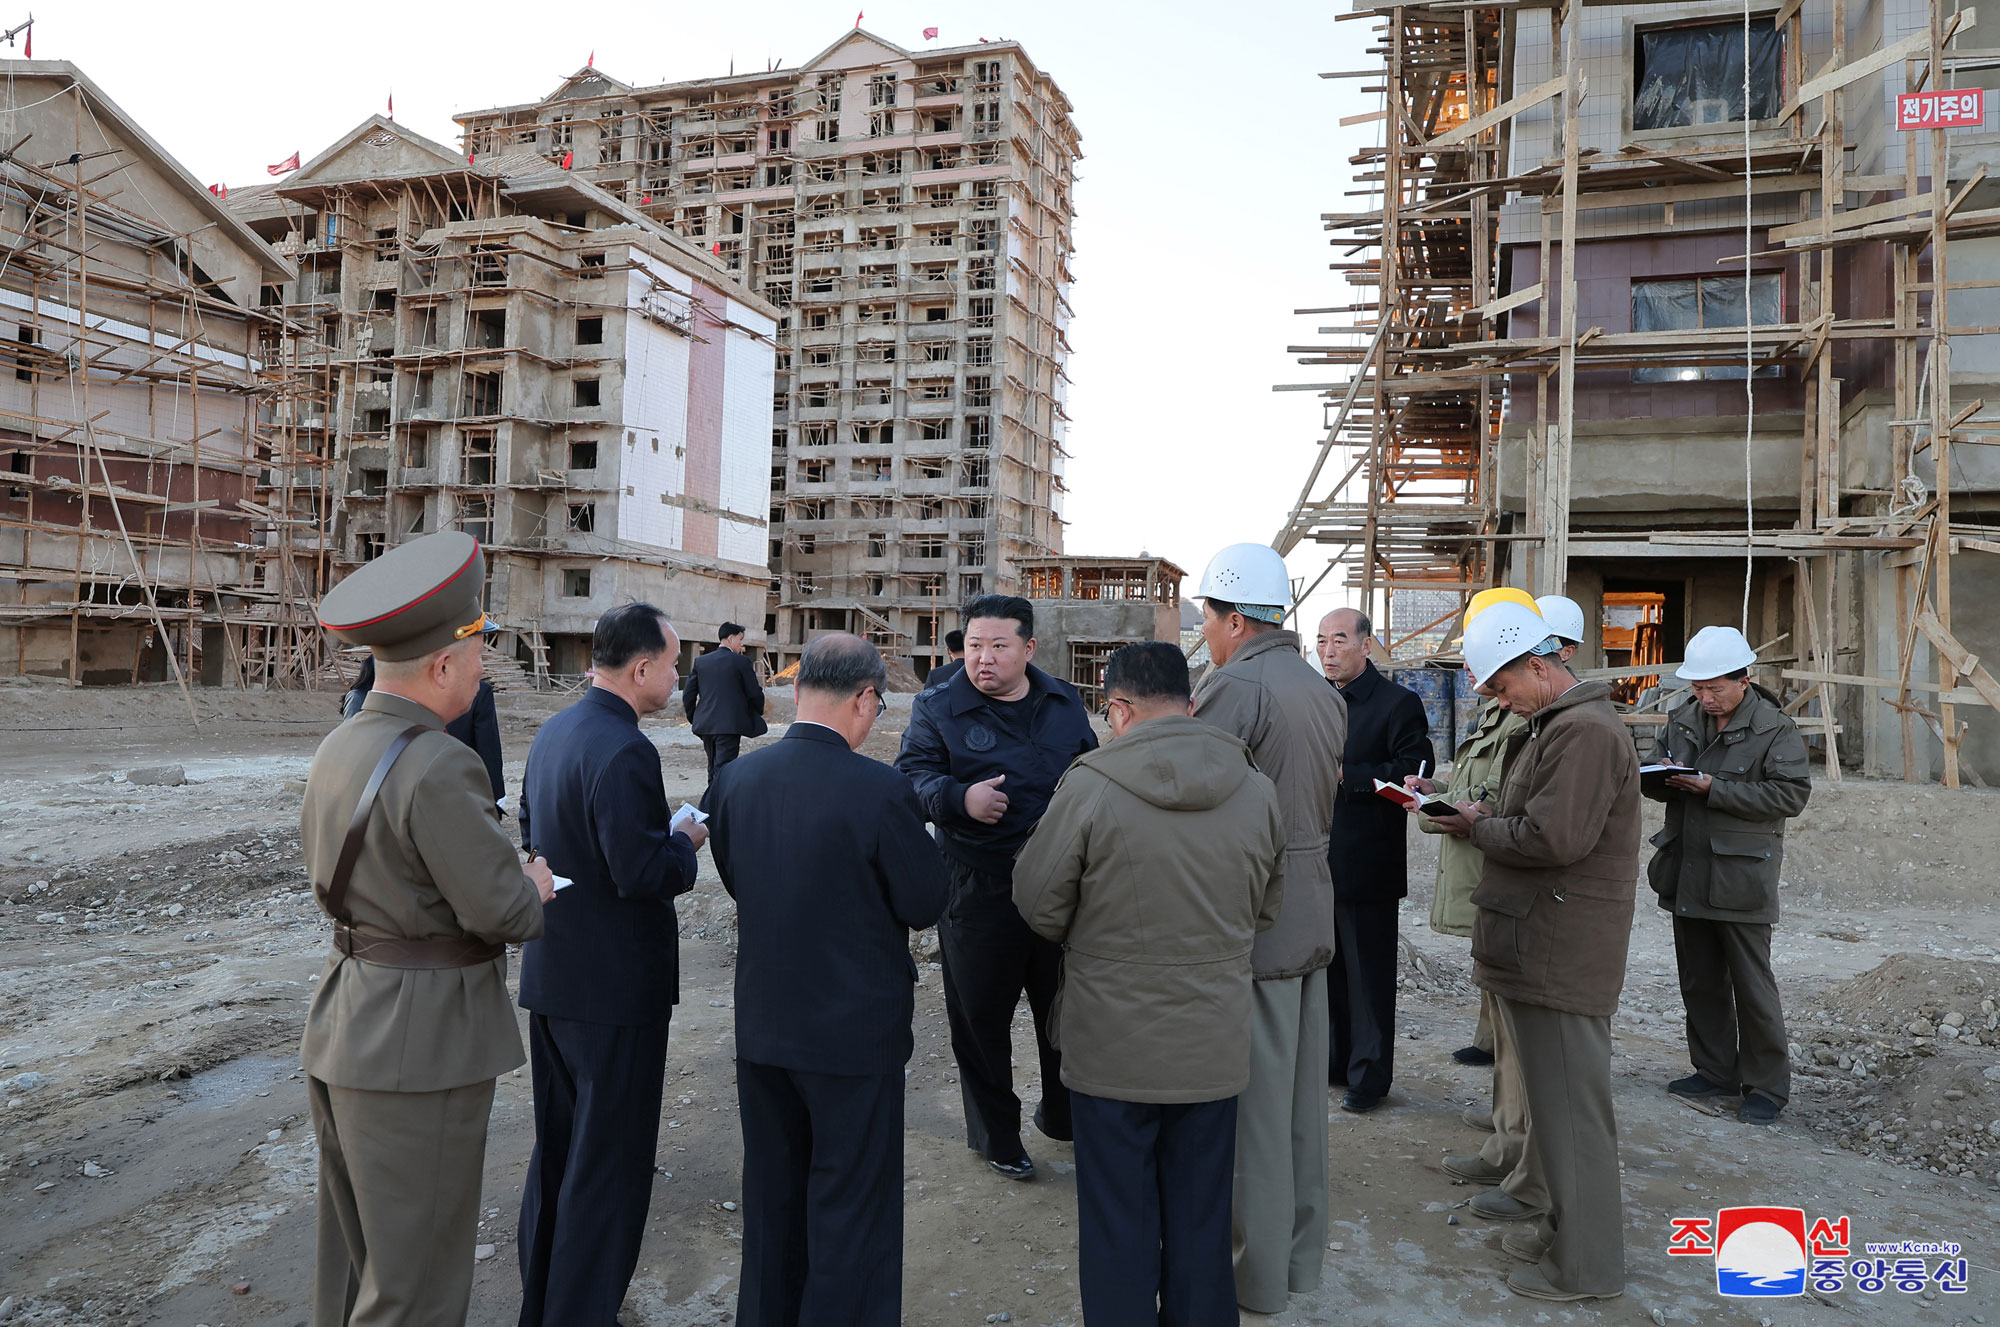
(434, 864)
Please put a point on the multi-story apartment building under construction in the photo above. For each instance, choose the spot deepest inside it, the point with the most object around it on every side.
(908, 214)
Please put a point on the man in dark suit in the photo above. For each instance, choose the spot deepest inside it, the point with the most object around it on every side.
(954, 645)
(602, 981)
(478, 727)
(723, 699)
(828, 887)
(1388, 738)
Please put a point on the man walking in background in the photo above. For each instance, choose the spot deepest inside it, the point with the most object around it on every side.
(1716, 866)
(1160, 858)
(601, 984)
(723, 700)
(1388, 738)
(1264, 693)
(827, 891)
(954, 646)
(985, 750)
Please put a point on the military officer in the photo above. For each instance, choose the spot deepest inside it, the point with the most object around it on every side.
(1715, 868)
(410, 1022)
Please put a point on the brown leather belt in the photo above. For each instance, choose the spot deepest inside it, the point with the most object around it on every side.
(458, 952)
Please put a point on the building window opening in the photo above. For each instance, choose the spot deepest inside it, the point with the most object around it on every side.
(1693, 74)
(1699, 304)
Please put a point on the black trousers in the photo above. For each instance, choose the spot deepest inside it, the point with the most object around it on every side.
(1152, 1205)
(990, 958)
(721, 749)
(1361, 997)
(1735, 1022)
(590, 1180)
(822, 1198)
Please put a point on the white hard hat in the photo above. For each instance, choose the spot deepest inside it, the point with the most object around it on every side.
(1251, 576)
(1500, 635)
(1715, 651)
(1564, 616)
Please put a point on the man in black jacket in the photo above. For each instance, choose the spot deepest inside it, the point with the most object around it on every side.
(827, 891)
(478, 727)
(601, 983)
(985, 751)
(954, 646)
(1388, 738)
(723, 699)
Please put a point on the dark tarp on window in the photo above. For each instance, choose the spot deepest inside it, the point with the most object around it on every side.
(1693, 303)
(1694, 75)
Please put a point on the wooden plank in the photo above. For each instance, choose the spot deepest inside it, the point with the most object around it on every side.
(1656, 195)
(1347, 120)
(1494, 308)
(1956, 695)
(1961, 659)
(1860, 216)
(1505, 111)
(1855, 70)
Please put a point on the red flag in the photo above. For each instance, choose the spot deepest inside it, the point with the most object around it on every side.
(591, 63)
(471, 158)
(930, 34)
(286, 166)
(567, 159)
(858, 16)
(219, 190)
(28, 53)
(716, 248)
(645, 200)
(392, 105)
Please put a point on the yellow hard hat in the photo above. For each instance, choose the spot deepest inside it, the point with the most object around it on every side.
(1499, 594)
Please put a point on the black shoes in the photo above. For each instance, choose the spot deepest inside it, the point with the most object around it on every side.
(1472, 1055)
(1359, 1103)
(1694, 1085)
(1020, 1168)
(1758, 1109)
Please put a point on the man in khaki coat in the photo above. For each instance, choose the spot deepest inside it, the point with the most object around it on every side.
(1263, 692)
(1555, 903)
(410, 1021)
(1716, 869)
(1159, 859)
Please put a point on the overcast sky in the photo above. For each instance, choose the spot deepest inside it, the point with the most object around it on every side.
(1210, 151)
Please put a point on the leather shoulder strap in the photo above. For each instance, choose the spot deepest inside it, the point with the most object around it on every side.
(357, 827)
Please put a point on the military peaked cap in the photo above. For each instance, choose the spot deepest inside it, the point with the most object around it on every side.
(417, 598)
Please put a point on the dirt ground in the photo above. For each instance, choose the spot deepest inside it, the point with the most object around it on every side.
(157, 945)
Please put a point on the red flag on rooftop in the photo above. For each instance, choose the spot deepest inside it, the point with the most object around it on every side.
(591, 63)
(28, 50)
(858, 16)
(219, 190)
(392, 105)
(930, 34)
(285, 167)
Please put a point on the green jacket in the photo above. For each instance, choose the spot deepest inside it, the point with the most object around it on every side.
(1719, 855)
(1160, 858)
(1477, 769)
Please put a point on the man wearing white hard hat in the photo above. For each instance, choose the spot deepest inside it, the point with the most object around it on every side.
(1715, 867)
(1565, 618)
(1263, 691)
(1549, 940)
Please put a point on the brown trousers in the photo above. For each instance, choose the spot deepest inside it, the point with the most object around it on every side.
(399, 1177)
(1566, 1067)
(1735, 1023)
(1507, 1146)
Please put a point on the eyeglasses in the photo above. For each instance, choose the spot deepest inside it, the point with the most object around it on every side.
(1104, 710)
(881, 704)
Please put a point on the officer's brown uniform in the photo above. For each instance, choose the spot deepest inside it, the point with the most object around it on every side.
(410, 1022)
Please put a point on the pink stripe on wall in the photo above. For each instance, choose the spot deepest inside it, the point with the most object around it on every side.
(707, 360)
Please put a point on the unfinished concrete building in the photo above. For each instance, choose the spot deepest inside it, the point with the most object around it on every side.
(1085, 608)
(128, 426)
(1688, 356)
(502, 347)
(908, 214)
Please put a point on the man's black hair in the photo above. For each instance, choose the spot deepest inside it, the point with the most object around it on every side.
(1738, 675)
(728, 629)
(841, 665)
(1151, 671)
(1002, 605)
(1224, 607)
(625, 633)
(954, 641)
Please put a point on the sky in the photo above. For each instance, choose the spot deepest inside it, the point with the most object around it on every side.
(1211, 147)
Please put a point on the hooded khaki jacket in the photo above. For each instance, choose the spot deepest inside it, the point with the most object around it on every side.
(1295, 725)
(1555, 896)
(1160, 857)
(1719, 855)
(1477, 768)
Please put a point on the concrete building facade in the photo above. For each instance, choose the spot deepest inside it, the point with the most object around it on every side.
(501, 346)
(907, 215)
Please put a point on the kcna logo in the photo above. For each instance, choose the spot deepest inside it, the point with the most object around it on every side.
(1768, 1252)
